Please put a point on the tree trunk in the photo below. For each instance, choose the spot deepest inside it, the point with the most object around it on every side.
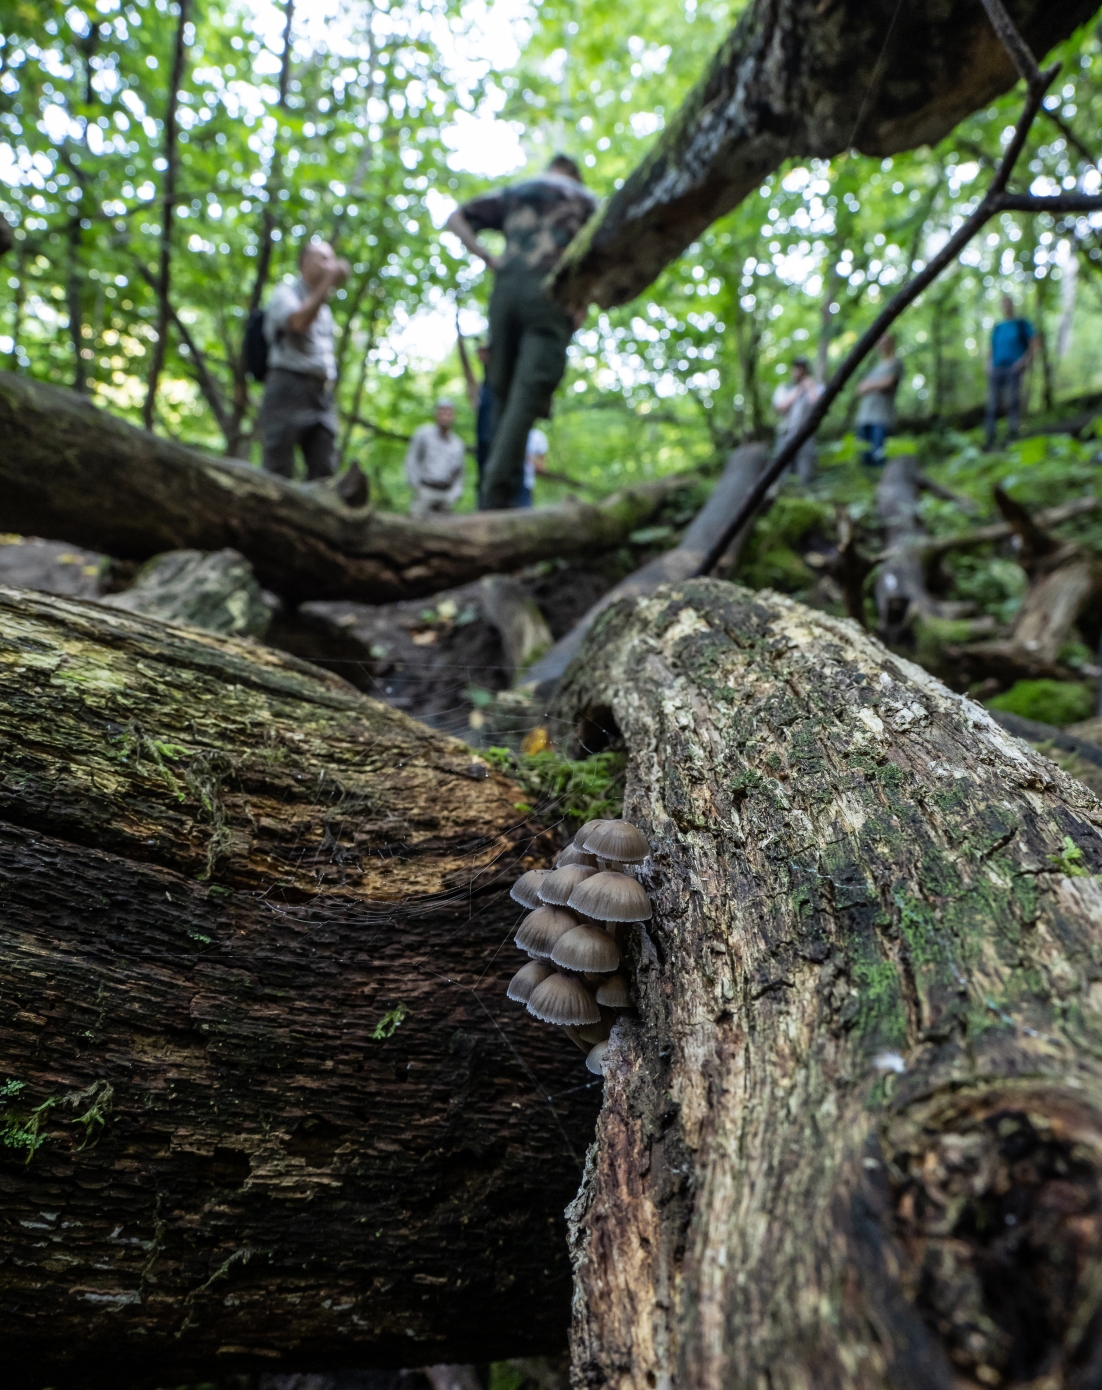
(799, 78)
(71, 472)
(263, 1103)
(855, 1137)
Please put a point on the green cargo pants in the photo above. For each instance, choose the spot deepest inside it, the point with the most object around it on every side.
(528, 341)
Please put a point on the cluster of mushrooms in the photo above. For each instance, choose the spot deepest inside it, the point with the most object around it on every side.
(576, 910)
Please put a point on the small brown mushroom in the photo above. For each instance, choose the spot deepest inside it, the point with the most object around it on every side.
(541, 929)
(610, 897)
(576, 1038)
(585, 948)
(572, 855)
(595, 1061)
(563, 999)
(526, 979)
(613, 993)
(556, 888)
(587, 829)
(618, 841)
(524, 890)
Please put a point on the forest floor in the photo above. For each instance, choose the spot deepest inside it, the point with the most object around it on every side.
(441, 660)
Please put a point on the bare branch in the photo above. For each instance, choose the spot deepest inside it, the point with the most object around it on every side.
(989, 205)
(1059, 202)
(1070, 135)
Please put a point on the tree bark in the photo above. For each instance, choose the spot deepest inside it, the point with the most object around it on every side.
(798, 78)
(71, 472)
(263, 1104)
(855, 1137)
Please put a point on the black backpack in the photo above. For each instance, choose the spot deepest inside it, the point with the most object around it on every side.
(256, 346)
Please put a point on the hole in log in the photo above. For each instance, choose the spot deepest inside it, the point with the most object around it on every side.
(1001, 1223)
(226, 1167)
(315, 1139)
(597, 730)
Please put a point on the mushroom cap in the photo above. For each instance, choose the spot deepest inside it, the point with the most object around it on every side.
(592, 1033)
(563, 999)
(573, 855)
(526, 979)
(590, 825)
(595, 1059)
(617, 840)
(557, 887)
(585, 948)
(524, 890)
(611, 897)
(572, 1034)
(540, 930)
(613, 993)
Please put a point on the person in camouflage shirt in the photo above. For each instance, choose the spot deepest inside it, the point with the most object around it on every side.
(528, 334)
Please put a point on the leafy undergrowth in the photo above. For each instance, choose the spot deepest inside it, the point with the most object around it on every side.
(792, 546)
(562, 788)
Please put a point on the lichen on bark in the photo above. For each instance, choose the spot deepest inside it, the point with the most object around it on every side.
(868, 971)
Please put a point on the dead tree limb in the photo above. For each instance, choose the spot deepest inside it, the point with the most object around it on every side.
(263, 1104)
(855, 1137)
(743, 467)
(799, 79)
(71, 472)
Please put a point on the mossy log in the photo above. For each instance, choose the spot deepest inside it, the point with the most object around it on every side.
(71, 472)
(263, 1104)
(798, 79)
(855, 1137)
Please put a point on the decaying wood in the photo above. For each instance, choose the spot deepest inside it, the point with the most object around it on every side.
(901, 592)
(855, 1137)
(263, 1104)
(799, 78)
(71, 472)
(217, 592)
(739, 475)
(1065, 583)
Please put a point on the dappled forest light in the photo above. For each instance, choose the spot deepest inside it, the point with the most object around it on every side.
(385, 112)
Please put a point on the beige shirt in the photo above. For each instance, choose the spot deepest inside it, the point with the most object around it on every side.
(311, 352)
(435, 462)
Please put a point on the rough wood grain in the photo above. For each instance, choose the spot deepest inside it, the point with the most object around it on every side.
(855, 1138)
(271, 1109)
(71, 472)
(803, 79)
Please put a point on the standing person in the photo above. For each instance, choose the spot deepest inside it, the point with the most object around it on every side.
(535, 461)
(793, 401)
(298, 409)
(481, 400)
(876, 406)
(434, 465)
(1013, 343)
(528, 334)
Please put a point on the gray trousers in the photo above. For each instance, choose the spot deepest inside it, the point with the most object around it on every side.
(298, 411)
(528, 340)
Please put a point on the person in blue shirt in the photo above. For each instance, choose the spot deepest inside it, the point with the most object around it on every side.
(1012, 345)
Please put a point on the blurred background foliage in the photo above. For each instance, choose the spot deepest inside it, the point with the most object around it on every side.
(392, 111)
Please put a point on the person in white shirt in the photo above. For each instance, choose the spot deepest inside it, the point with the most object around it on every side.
(298, 409)
(434, 465)
(793, 401)
(535, 460)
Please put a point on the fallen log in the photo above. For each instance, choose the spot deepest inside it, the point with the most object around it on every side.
(739, 476)
(798, 79)
(71, 472)
(263, 1104)
(854, 1139)
(1065, 585)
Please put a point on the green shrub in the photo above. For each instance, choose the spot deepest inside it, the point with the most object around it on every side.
(1050, 702)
